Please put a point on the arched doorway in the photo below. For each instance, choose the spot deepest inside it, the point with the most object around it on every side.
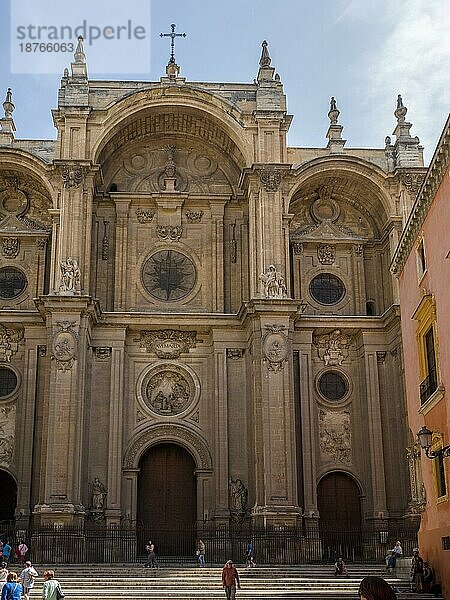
(8, 496)
(339, 504)
(167, 499)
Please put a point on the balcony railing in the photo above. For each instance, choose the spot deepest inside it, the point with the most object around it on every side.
(428, 386)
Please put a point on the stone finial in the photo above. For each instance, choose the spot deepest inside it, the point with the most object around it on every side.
(401, 110)
(8, 105)
(79, 68)
(334, 134)
(407, 150)
(7, 126)
(333, 113)
(265, 60)
(80, 56)
(387, 141)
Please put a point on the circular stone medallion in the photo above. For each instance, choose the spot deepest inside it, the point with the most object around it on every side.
(168, 390)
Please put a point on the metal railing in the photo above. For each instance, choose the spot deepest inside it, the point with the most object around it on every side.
(428, 386)
(271, 545)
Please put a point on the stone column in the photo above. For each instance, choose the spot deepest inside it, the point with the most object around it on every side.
(358, 279)
(309, 428)
(266, 225)
(68, 321)
(374, 433)
(113, 510)
(217, 212)
(24, 432)
(121, 237)
(222, 512)
(274, 413)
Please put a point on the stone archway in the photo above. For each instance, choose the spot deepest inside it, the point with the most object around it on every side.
(167, 498)
(8, 496)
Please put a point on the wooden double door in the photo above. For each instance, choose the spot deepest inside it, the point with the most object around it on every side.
(167, 499)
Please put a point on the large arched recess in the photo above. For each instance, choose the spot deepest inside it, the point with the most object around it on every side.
(349, 179)
(218, 120)
(12, 159)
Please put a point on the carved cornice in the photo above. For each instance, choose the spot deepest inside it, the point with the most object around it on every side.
(423, 201)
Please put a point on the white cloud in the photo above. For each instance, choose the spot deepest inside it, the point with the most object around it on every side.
(414, 61)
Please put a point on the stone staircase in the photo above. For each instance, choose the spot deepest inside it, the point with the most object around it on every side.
(190, 582)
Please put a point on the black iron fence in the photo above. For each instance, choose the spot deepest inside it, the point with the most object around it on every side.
(271, 545)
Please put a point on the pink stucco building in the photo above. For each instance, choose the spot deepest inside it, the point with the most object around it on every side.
(422, 264)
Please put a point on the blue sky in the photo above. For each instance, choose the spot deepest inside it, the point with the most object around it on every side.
(363, 52)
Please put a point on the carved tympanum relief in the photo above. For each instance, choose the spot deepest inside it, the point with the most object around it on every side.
(24, 206)
(335, 438)
(7, 433)
(146, 167)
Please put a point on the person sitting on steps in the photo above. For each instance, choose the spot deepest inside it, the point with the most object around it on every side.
(340, 568)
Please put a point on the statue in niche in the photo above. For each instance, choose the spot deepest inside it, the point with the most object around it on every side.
(238, 496)
(99, 493)
(70, 277)
(274, 286)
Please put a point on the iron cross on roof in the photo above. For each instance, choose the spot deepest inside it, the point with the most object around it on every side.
(172, 35)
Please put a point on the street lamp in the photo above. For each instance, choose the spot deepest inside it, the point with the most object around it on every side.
(425, 438)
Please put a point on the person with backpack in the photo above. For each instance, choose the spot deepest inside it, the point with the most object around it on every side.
(27, 578)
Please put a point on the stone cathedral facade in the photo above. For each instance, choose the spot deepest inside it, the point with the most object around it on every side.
(198, 323)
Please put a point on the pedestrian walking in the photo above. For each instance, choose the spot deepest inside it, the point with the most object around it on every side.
(6, 552)
(375, 588)
(27, 577)
(51, 590)
(249, 562)
(201, 549)
(21, 551)
(12, 590)
(151, 555)
(230, 580)
(416, 572)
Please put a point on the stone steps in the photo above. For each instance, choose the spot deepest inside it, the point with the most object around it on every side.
(301, 582)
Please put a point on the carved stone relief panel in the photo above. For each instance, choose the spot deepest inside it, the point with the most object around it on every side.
(168, 389)
(168, 343)
(24, 206)
(65, 345)
(335, 438)
(7, 433)
(332, 347)
(275, 347)
(148, 167)
(10, 247)
(9, 340)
